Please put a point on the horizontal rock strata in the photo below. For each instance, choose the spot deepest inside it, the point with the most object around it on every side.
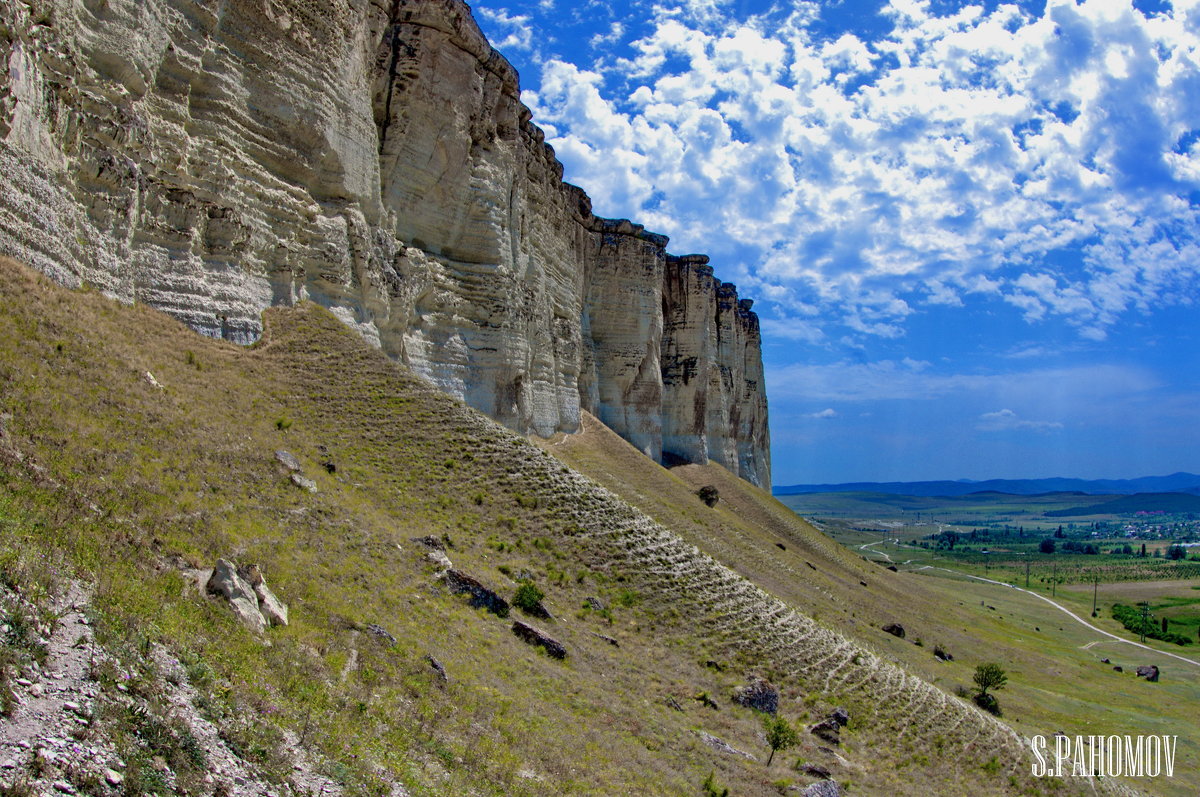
(213, 159)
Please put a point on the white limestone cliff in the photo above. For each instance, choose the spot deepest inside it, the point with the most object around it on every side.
(213, 158)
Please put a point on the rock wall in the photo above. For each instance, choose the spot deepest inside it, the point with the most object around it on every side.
(213, 158)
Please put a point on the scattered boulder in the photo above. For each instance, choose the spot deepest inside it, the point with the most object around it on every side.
(841, 716)
(304, 483)
(715, 665)
(430, 541)
(673, 703)
(439, 559)
(862, 583)
(781, 546)
(380, 632)
(1148, 671)
(481, 597)
(709, 495)
(288, 460)
(274, 610)
(895, 629)
(226, 582)
(815, 771)
(595, 604)
(722, 746)
(437, 668)
(1105, 661)
(533, 636)
(829, 730)
(822, 788)
(150, 380)
(942, 654)
(1118, 668)
(704, 699)
(607, 639)
(893, 568)
(759, 695)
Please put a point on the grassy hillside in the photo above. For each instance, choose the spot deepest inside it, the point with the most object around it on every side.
(126, 484)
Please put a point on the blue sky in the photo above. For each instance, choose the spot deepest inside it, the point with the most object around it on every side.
(971, 231)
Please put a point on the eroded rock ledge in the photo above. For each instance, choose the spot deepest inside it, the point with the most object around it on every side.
(211, 159)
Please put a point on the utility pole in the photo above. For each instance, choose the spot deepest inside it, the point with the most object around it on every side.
(1145, 619)
(1026, 574)
(1095, 589)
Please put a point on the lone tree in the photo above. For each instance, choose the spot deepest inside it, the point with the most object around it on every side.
(780, 734)
(1047, 546)
(989, 676)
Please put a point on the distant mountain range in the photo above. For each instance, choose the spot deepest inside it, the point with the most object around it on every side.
(1175, 483)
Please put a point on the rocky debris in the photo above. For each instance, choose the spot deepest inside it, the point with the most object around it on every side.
(722, 746)
(704, 699)
(533, 636)
(1105, 661)
(1148, 671)
(1118, 668)
(672, 703)
(303, 482)
(941, 654)
(815, 771)
(895, 629)
(595, 604)
(822, 788)
(607, 639)
(379, 632)
(288, 460)
(481, 597)
(781, 546)
(248, 594)
(760, 695)
(430, 541)
(841, 716)
(893, 568)
(438, 668)
(150, 380)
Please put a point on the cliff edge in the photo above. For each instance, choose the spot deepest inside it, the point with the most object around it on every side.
(212, 159)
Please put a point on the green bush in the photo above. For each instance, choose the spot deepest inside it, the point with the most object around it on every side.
(528, 597)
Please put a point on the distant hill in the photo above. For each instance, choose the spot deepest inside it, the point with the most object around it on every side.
(1175, 483)
(1129, 504)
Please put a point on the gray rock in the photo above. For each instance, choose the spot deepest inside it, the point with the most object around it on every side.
(288, 460)
(722, 746)
(437, 668)
(822, 788)
(304, 483)
(380, 632)
(760, 695)
(840, 716)
(895, 629)
(534, 636)
(481, 597)
(1148, 671)
(816, 771)
(827, 730)
(226, 582)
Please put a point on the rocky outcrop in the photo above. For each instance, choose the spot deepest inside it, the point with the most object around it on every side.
(374, 158)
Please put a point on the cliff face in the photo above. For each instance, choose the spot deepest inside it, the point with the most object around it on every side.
(211, 159)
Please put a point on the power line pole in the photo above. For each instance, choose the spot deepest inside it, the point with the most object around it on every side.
(1026, 574)
(1145, 619)
(1095, 589)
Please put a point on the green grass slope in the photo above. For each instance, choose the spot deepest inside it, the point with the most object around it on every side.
(1057, 679)
(123, 484)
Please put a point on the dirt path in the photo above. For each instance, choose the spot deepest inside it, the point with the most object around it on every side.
(1065, 610)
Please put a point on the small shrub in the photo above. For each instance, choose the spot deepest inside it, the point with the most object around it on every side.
(712, 788)
(528, 597)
